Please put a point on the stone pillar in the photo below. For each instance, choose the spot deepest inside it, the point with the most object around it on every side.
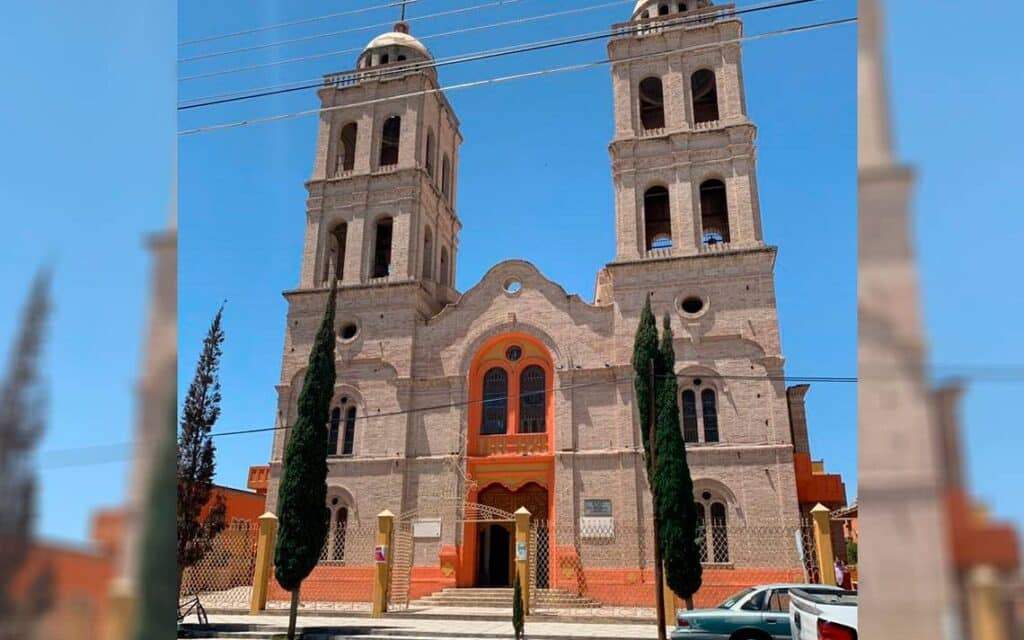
(823, 543)
(382, 565)
(264, 555)
(523, 559)
(984, 609)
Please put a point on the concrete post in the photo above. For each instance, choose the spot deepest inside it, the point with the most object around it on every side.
(522, 555)
(823, 543)
(984, 610)
(382, 563)
(264, 555)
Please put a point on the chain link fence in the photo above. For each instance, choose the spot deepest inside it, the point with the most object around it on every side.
(227, 566)
(345, 571)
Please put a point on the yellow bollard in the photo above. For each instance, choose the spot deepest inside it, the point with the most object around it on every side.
(984, 610)
(382, 563)
(264, 557)
(671, 601)
(823, 543)
(523, 555)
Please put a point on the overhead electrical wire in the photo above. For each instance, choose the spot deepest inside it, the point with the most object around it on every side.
(281, 43)
(431, 36)
(292, 23)
(509, 78)
(314, 83)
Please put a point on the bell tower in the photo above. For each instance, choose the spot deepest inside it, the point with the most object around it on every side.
(381, 206)
(683, 158)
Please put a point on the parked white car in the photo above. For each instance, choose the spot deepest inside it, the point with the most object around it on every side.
(823, 616)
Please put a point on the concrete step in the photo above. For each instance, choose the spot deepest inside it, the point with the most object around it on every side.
(502, 597)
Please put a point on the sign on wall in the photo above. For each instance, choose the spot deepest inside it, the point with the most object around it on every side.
(380, 553)
(597, 521)
(427, 528)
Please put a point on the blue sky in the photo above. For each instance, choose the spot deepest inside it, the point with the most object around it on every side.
(89, 109)
(534, 184)
(955, 113)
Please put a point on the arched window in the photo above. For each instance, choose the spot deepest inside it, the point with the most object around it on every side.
(714, 212)
(335, 259)
(702, 534)
(446, 178)
(495, 402)
(652, 103)
(662, 9)
(347, 148)
(390, 137)
(349, 441)
(657, 219)
(531, 400)
(705, 96)
(385, 58)
(443, 274)
(428, 254)
(690, 433)
(709, 407)
(719, 533)
(682, 7)
(428, 161)
(334, 550)
(382, 248)
(332, 432)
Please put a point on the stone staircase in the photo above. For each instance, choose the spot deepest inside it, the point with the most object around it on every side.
(502, 598)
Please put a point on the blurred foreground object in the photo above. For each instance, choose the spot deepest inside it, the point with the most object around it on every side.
(25, 574)
(929, 566)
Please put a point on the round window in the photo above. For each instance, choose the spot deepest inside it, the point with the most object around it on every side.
(513, 286)
(514, 353)
(692, 305)
(706, 495)
(349, 331)
(696, 382)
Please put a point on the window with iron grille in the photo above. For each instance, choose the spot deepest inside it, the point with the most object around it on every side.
(495, 402)
(531, 400)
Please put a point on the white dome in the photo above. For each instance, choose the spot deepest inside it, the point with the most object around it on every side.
(396, 38)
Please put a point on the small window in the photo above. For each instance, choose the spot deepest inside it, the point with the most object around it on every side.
(382, 249)
(430, 152)
(662, 9)
(705, 96)
(495, 402)
(401, 58)
(349, 331)
(390, 138)
(513, 287)
(446, 178)
(347, 148)
(514, 353)
(657, 218)
(384, 59)
(692, 305)
(652, 104)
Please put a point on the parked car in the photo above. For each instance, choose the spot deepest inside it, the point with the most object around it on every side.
(823, 616)
(756, 613)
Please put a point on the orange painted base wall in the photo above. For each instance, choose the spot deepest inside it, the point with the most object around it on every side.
(355, 584)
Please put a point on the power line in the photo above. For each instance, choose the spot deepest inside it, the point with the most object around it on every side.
(280, 43)
(509, 78)
(315, 83)
(282, 25)
(443, 34)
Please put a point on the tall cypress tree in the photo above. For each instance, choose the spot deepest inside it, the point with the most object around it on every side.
(677, 513)
(645, 349)
(302, 511)
(195, 456)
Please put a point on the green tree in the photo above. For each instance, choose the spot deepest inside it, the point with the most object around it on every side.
(517, 609)
(677, 513)
(645, 349)
(301, 503)
(195, 457)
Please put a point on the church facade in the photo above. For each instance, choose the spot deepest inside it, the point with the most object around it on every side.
(515, 392)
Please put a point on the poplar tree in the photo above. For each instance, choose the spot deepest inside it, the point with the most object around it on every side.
(198, 522)
(302, 511)
(677, 513)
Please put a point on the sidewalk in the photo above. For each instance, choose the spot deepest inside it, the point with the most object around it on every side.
(322, 627)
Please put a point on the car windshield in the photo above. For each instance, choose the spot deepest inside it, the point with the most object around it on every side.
(731, 601)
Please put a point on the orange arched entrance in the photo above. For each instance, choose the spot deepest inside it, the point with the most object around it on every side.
(510, 442)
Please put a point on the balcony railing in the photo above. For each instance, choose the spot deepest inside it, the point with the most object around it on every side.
(512, 444)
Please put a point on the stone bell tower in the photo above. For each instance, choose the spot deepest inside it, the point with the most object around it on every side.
(683, 150)
(381, 206)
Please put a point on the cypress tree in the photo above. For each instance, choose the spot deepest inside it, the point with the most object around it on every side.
(677, 513)
(517, 609)
(302, 511)
(645, 348)
(195, 456)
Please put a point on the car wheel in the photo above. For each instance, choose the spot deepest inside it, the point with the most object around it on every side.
(749, 635)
